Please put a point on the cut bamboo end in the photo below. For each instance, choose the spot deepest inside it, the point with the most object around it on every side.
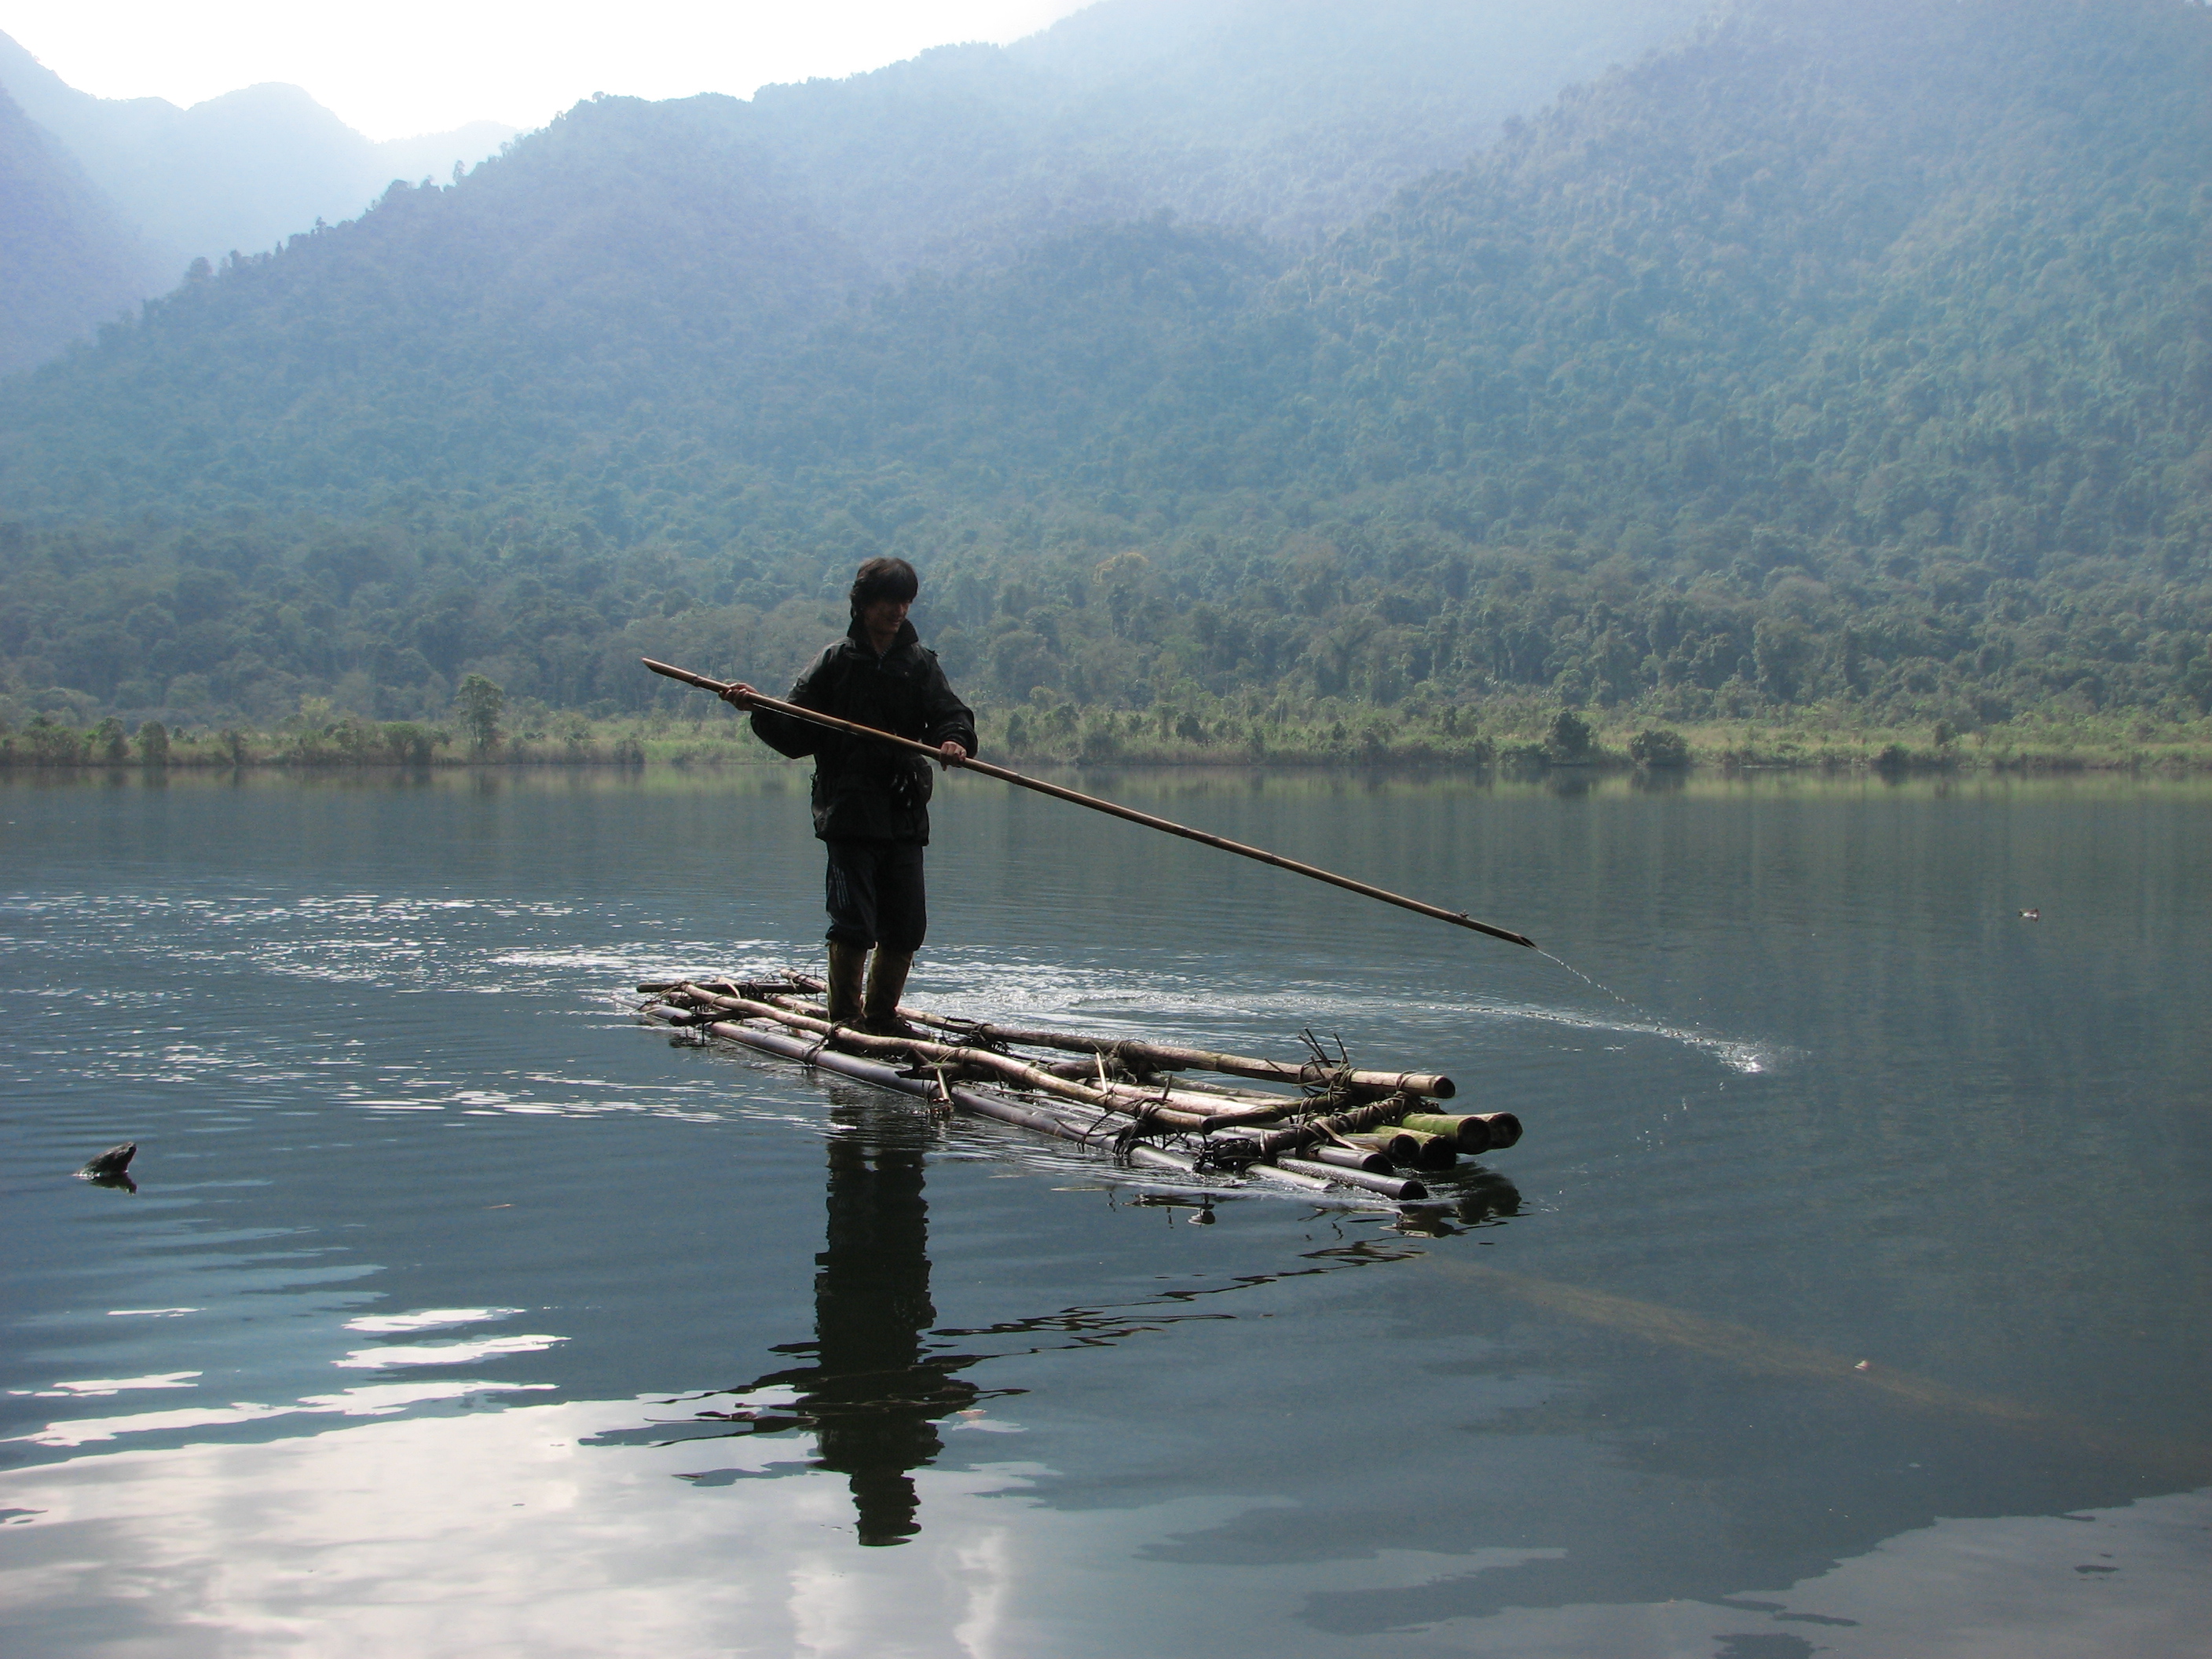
(1414, 1149)
(1469, 1133)
(1504, 1129)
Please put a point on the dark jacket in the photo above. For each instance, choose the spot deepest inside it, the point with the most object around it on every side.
(867, 791)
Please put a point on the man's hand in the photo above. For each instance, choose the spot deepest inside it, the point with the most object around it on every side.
(948, 752)
(739, 696)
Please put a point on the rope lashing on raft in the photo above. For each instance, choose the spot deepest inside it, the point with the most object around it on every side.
(1326, 1082)
(1226, 1154)
(690, 1023)
(1145, 1128)
(942, 1074)
(977, 1034)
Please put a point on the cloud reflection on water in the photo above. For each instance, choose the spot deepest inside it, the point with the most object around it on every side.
(504, 1531)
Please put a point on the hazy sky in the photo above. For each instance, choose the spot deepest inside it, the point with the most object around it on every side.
(408, 66)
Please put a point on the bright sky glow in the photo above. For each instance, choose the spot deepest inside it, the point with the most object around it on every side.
(409, 66)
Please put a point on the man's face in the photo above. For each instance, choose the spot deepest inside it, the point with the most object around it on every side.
(882, 617)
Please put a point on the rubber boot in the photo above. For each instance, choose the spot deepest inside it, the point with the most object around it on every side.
(886, 982)
(849, 966)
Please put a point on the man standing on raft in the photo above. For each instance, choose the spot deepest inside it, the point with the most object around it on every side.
(872, 801)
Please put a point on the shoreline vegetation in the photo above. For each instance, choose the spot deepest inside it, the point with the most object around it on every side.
(1509, 735)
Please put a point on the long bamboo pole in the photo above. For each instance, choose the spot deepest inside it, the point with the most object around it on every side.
(1457, 918)
(1125, 1099)
(1167, 1057)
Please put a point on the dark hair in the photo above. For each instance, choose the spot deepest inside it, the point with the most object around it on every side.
(884, 578)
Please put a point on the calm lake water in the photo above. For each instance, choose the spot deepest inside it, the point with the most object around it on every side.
(1847, 1295)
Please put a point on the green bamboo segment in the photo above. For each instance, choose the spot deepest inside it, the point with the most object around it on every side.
(1467, 1133)
(1433, 1152)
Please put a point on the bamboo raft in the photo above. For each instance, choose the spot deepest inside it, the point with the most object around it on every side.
(1324, 1127)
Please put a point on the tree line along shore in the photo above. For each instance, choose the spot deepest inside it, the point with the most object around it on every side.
(1511, 734)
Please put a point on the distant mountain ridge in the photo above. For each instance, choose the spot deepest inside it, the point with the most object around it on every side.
(243, 171)
(1289, 117)
(1292, 116)
(239, 172)
(65, 258)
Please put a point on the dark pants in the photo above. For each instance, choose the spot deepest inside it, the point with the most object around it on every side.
(876, 895)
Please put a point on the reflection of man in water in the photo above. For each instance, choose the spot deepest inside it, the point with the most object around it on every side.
(874, 1394)
(873, 1397)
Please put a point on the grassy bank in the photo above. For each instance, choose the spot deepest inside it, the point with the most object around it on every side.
(1513, 737)
(1535, 735)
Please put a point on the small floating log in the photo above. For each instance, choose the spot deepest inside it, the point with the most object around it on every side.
(1504, 1129)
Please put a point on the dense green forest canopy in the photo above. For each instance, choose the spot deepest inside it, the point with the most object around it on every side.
(1852, 351)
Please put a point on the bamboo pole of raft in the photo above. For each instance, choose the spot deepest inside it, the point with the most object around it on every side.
(1477, 1132)
(875, 1072)
(1350, 1157)
(1178, 1107)
(1124, 1099)
(1272, 1147)
(1156, 1057)
(1163, 1057)
(1274, 1143)
(1389, 1186)
(1031, 1117)
(1457, 918)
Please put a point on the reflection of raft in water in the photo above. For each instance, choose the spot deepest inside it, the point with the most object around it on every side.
(1325, 1128)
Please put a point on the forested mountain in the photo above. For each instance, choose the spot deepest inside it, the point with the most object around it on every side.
(242, 170)
(1293, 115)
(65, 257)
(1858, 350)
(1290, 117)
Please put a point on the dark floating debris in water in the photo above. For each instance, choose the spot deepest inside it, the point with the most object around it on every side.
(1328, 1129)
(113, 1167)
